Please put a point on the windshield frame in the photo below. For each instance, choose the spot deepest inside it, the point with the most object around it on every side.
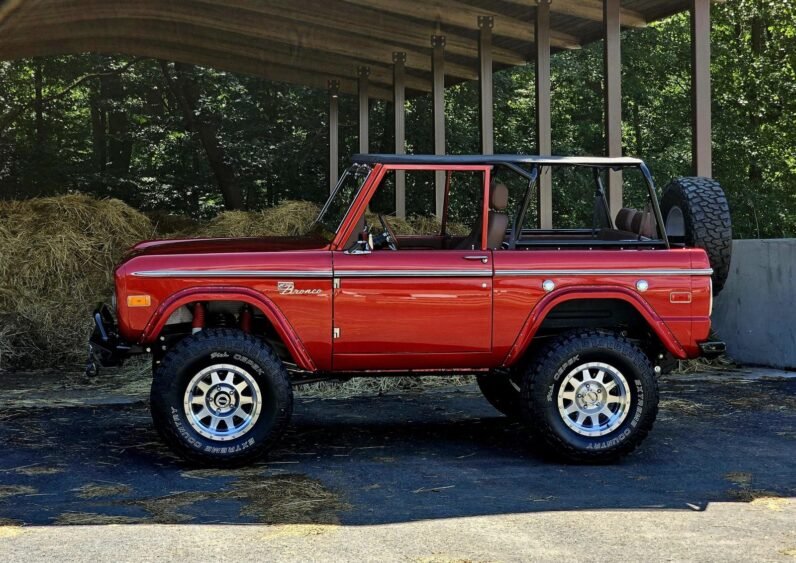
(356, 170)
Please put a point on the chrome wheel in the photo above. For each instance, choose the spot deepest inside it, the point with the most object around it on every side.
(222, 402)
(594, 399)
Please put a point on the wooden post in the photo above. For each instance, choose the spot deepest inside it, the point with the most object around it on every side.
(399, 108)
(701, 149)
(334, 151)
(486, 91)
(364, 105)
(438, 95)
(544, 140)
(612, 66)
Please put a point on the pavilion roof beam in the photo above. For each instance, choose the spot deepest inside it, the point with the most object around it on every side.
(591, 10)
(110, 21)
(330, 65)
(7, 9)
(372, 24)
(317, 61)
(179, 52)
(458, 14)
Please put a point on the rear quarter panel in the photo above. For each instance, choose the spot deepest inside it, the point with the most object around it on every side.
(520, 302)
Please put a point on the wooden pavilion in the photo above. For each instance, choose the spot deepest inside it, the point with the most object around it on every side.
(384, 49)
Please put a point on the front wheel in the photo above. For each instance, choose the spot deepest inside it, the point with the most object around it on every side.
(221, 397)
(591, 396)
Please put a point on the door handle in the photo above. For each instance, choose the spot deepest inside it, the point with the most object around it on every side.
(483, 259)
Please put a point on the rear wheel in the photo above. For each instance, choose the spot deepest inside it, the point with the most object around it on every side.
(221, 397)
(503, 392)
(591, 396)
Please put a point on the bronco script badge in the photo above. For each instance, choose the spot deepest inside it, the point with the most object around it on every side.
(289, 288)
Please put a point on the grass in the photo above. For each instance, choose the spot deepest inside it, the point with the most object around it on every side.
(8, 491)
(682, 406)
(94, 519)
(368, 386)
(279, 499)
(96, 490)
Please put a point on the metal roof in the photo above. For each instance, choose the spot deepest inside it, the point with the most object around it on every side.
(478, 159)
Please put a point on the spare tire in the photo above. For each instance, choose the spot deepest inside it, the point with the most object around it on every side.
(696, 213)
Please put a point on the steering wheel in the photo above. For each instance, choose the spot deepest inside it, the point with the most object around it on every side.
(392, 242)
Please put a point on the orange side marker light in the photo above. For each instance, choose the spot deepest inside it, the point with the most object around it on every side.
(139, 300)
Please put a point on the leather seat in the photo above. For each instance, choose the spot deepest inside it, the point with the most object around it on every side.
(644, 224)
(634, 221)
(497, 221)
(624, 219)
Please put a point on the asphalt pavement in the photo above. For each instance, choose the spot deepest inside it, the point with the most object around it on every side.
(435, 476)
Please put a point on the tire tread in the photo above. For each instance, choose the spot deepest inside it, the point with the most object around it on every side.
(708, 222)
(212, 340)
(547, 361)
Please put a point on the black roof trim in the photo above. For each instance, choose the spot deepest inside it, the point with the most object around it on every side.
(476, 159)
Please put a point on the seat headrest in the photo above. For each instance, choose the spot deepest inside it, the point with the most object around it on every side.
(498, 197)
(624, 219)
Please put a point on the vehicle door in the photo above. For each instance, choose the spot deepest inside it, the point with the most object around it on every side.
(410, 308)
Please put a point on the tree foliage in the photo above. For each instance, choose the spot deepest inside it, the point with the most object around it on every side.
(192, 140)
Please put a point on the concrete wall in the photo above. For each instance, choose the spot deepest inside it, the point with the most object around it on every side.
(756, 312)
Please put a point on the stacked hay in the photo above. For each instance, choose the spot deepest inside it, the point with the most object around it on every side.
(56, 262)
(289, 218)
(168, 225)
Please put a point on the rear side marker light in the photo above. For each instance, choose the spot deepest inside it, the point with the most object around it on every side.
(139, 300)
(680, 297)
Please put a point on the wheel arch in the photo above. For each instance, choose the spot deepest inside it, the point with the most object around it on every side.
(541, 313)
(268, 308)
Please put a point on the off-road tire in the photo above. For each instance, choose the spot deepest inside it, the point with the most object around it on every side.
(549, 368)
(501, 393)
(201, 350)
(705, 222)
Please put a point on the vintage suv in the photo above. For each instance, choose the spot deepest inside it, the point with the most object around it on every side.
(566, 327)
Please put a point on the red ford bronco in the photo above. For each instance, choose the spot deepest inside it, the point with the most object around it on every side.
(565, 325)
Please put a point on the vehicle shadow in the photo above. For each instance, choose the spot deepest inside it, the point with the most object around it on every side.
(389, 459)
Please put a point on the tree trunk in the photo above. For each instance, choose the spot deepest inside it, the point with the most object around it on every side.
(186, 95)
(120, 145)
(758, 45)
(38, 106)
(98, 137)
(637, 129)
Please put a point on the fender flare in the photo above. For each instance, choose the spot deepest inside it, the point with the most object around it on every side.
(275, 316)
(548, 302)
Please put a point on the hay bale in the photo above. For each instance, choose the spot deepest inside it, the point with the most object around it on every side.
(58, 259)
(237, 224)
(168, 225)
(290, 218)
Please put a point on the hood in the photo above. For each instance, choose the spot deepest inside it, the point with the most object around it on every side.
(226, 245)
